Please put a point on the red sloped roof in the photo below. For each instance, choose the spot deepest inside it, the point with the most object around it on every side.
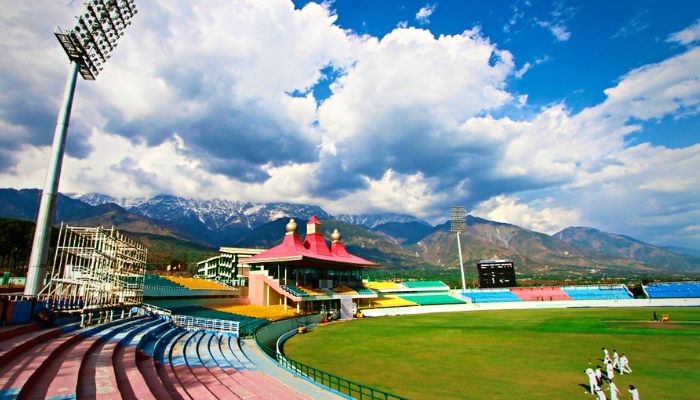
(314, 248)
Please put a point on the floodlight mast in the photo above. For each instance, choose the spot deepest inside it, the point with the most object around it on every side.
(88, 46)
(458, 218)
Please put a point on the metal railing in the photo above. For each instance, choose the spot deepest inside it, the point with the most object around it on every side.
(190, 323)
(331, 381)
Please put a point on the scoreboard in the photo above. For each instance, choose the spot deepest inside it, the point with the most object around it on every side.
(496, 273)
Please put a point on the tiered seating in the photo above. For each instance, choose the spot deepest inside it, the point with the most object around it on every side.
(247, 325)
(157, 281)
(135, 358)
(270, 313)
(384, 285)
(426, 285)
(198, 284)
(313, 291)
(431, 299)
(345, 290)
(490, 295)
(616, 292)
(295, 291)
(673, 290)
(550, 293)
(391, 302)
(364, 291)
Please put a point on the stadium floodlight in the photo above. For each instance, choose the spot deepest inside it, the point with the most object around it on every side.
(458, 224)
(88, 46)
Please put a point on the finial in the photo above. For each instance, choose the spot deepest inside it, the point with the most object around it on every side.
(291, 227)
(336, 236)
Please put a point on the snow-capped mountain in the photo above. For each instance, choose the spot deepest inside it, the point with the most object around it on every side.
(207, 217)
(374, 220)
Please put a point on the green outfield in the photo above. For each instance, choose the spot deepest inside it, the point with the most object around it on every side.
(510, 354)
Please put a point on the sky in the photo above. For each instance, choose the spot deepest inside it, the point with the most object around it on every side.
(537, 113)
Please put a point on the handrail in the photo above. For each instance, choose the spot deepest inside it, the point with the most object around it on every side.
(189, 323)
(331, 381)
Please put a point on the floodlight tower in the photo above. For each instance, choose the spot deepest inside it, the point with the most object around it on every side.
(88, 46)
(458, 218)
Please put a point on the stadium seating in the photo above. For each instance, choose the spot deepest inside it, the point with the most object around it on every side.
(426, 285)
(158, 281)
(270, 313)
(197, 284)
(431, 299)
(550, 293)
(141, 357)
(673, 290)
(603, 292)
(247, 325)
(383, 302)
(490, 295)
(345, 291)
(384, 285)
(295, 291)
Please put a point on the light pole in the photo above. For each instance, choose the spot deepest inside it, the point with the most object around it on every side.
(458, 215)
(88, 46)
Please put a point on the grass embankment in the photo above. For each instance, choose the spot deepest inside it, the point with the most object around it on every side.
(524, 354)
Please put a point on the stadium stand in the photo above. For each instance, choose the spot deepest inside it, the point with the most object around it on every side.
(139, 357)
(425, 285)
(384, 302)
(490, 295)
(672, 290)
(197, 284)
(384, 285)
(550, 293)
(247, 324)
(345, 291)
(295, 291)
(601, 292)
(431, 299)
(270, 313)
(158, 281)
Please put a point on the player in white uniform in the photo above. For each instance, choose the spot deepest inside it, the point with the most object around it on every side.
(634, 393)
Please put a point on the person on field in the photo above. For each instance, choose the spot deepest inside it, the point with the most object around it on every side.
(592, 381)
(634, 393)
(624, 365)
(613, 390)
(610, 371)
(656, 318)
(606, 355)
(600, 394)
(615, 359)
(599, 376)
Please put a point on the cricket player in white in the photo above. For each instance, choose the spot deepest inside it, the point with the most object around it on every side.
(601, 394)
(613, 390)
(610, 370)
(592, 382)
(634, 393)
(624, 365)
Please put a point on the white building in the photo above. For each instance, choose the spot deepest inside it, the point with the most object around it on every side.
(227, 266)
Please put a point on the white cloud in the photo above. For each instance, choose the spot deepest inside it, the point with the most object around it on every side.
(686, 36)
(508, 209)
(559, 30)
(423, 15)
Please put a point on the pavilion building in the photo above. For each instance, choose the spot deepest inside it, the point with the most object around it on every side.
(308, 274)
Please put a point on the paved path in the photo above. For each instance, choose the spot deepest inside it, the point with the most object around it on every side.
(265, 364)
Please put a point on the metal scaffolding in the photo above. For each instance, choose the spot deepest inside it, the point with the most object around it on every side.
(96, 268)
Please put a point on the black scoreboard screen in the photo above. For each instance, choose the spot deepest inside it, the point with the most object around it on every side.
(496, 273)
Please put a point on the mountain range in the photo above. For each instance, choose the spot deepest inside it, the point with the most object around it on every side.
(393, 240)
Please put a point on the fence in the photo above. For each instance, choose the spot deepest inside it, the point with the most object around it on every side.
(189, 322)
(267, 337)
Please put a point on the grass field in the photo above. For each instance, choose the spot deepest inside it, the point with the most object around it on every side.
(509, 354)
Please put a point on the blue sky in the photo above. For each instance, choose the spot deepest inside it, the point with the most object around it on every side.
(538, 113)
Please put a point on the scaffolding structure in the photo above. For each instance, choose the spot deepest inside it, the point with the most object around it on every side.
(96, 269)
